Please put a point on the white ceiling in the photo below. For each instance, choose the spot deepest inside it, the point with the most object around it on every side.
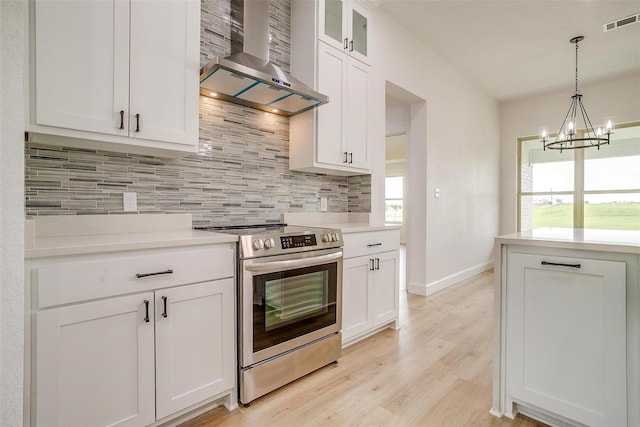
(518, 48)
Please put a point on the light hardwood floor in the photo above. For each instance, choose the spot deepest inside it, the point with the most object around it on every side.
(435, 371)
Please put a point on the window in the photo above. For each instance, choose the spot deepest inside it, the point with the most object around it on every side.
(587, 188)
(393, 206)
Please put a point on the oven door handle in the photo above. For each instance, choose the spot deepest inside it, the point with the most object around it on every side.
(263, 267)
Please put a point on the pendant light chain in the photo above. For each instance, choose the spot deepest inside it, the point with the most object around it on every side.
(577, 67)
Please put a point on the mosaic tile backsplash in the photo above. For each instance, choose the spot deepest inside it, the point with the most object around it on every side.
(240, 175)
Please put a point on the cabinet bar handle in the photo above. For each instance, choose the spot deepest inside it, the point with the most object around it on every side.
(121, 120)
(371, 245)
(559, 264)
(351, 46)
(138, 122)
(164, 312)
(371, 264)
(146, 310)
(157, 273)
(346, 41)
(350, 158)
(377, 263)
(345, 157)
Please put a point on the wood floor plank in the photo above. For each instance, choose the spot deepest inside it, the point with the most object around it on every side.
(436, 370)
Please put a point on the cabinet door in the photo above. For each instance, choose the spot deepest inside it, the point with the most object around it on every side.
(385, 287)
(82, 64)
(195, 354)
(566, 337)
(359, 21)
(332, 69)
(357, 99)
(356, 314)
(95, 364)
(165, 49)
(333, 25)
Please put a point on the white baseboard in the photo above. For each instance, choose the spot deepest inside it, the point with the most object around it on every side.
(445, 282)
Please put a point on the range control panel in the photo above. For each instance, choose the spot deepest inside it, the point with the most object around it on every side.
(299, 241)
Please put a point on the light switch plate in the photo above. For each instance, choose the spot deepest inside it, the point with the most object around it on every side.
(323, 204)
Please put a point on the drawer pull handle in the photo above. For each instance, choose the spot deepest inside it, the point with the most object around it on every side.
(157, 273)
(371, 265)
(559, 264)
(164, 312)
(377, 263)
(371, 245)
(146, 310)
(121, 120)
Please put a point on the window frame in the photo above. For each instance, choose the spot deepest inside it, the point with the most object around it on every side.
(578, 191)
(401, 199)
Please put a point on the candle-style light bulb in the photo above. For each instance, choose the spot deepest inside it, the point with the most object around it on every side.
(609, 126)
(543, 135)
(570, 129)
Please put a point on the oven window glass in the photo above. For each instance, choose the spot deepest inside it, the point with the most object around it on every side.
(292, 303)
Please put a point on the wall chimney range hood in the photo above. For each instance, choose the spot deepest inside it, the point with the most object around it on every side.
(246, 76)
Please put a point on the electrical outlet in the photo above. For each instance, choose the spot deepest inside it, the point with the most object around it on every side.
(436, 193)
(323, 204)
(129, 202)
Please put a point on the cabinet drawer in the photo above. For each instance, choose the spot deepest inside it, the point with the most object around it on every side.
(74, 279)
(371, 242)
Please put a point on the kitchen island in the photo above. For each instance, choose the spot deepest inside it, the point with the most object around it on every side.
(567, 328)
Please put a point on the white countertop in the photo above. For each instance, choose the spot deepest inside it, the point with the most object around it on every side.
(627, 241)
(344, 221)
(76, 235)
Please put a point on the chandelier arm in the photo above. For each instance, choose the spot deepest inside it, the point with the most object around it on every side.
(587, 121)
(564, 122)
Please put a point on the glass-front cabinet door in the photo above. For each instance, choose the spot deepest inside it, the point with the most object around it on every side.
(334, 31)
(359, 30)
(344, 25)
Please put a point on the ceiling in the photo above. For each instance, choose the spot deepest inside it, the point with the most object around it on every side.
(518, 48)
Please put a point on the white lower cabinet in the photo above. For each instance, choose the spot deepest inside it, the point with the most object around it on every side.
(95, 364)
(566, 338)
(370, 287)
(197, 318)
(135, 359)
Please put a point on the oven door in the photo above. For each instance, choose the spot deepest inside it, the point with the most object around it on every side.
(287, 301)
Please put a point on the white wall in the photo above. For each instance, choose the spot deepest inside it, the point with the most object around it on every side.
(12, 45)
(457, 151)
(619, 98)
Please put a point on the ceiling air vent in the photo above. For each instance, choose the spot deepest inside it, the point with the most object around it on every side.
(619, 23)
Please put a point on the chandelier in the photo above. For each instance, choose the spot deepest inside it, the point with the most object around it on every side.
(568, 137)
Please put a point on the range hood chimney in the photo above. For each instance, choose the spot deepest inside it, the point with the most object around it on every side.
(246, 76)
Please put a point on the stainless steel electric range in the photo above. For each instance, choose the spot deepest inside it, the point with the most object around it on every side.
(289, 282)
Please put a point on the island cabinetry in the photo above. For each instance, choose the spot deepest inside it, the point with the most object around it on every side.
(567, 333)
(370, 286)
(134, 338)
(334, 138)
(124, 73)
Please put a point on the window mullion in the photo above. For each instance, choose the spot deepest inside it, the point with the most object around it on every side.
(578, 196)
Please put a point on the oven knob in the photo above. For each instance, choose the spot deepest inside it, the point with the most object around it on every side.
(257, 244)
(269, 243)
(336, 237)
(326, 238)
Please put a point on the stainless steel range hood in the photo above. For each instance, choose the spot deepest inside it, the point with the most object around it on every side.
(246, 76)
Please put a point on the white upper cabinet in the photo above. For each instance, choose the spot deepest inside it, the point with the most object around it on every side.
(344, 25)
(116, 71)
(334, 138)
